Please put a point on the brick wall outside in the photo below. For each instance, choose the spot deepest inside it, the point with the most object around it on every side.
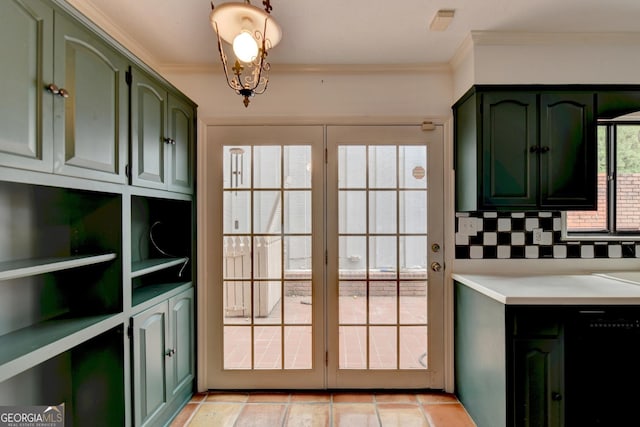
(298, 283)
(628, 205)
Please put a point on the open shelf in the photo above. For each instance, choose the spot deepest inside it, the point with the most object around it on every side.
(26, 347)
(147, 266)
(31, 267)
(150, 294)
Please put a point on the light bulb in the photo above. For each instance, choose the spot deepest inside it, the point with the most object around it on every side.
(245, 47)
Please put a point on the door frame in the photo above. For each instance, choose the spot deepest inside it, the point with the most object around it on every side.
(206, 245)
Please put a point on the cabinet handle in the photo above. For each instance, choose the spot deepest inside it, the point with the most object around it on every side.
(170, 141)
(170, 352)
(534, 149)
(53, 89)
(544, 149)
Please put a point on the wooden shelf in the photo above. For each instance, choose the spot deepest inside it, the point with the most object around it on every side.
(140, 268)
(150, 294)
(31, 267)
(30, 346)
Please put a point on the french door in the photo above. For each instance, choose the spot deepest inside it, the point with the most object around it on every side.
(325, 263)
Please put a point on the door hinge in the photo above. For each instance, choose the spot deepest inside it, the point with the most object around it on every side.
(326, 257)
(128, 77)
(130, 331)
(127, 171)
(326, 358)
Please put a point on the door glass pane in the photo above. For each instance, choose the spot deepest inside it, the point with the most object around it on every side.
(297, 166)
(266, 212)
(382, 166)
(353, 347)
(236, 167)
(382, 231)
(352, 204)
(382, 212)
(267, 248)
(382, 347)
(266, 170)
(297, 208)
(413, 166)
(352, 173)
(413, 347)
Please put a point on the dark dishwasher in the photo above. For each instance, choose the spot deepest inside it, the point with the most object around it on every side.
(602, 367)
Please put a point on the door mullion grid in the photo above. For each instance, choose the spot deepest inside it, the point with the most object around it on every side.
(282, 242)
(397, 235)
(252, 252)
(367, 230)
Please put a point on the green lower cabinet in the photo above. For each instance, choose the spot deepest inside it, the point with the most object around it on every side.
(163, 360)
(538, 382)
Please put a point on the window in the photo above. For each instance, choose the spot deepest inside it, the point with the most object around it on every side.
(618, 213)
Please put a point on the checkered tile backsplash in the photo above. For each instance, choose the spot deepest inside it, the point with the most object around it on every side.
(504, 235)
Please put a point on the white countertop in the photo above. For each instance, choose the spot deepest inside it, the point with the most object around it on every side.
(561, 289)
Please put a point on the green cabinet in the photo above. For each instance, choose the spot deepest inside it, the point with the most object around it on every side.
(163, 366)
(538, 366)
(66, 98)
(519, 149)
(26, 109)
(162, 130)
(91, 119)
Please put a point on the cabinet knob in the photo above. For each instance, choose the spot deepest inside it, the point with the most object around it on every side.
(170, 352)
(170, 141)
(556, 396)
(544, 149)
(53, 89)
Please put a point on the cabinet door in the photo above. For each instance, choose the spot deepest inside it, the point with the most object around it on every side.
(27, 68)
(150, 339)
(538, 382)
(509, 137)
(148, 129)
(568, 151)
(181, 148)
(91, 124)
(182, 334)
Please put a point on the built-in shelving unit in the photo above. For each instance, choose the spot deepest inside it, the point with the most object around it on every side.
(96, 221)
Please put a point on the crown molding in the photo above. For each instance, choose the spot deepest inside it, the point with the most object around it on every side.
(104, 23)
(336, 69)
(500, 38)
(462, 52)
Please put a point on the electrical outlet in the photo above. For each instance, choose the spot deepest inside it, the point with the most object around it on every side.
(537, 236)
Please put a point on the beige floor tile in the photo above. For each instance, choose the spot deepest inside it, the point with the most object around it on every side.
(261, 415)
(309, 415)
(216, 414)
(401, 415)
(184, 415)
(447, 415)
(355, 414)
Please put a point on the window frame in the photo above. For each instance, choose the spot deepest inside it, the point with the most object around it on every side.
(610, 233)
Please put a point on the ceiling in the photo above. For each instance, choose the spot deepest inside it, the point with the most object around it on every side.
(177, 32)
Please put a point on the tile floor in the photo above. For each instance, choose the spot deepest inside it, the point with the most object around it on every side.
(323, 409)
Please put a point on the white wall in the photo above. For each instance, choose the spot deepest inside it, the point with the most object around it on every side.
(313, 95)
(528, 58)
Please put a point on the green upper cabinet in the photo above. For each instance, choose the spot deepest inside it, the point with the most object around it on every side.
(65, 97)
(25, 106)
(91, 123)
(567, 152)
(525, 150)
(162, 128)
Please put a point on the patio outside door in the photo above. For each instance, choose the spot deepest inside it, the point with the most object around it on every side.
(321, 276)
